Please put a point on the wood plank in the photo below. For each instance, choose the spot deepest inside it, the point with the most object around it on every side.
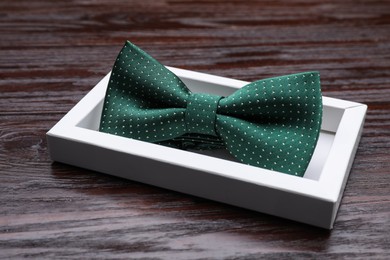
(53, 52)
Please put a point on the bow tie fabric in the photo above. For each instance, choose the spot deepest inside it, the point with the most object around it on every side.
(271, 123)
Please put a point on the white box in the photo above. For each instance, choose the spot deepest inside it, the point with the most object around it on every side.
(313, 199)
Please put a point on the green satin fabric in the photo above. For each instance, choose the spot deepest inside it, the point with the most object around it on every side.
(272, 123)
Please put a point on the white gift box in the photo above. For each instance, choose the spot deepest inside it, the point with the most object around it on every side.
(313, 199)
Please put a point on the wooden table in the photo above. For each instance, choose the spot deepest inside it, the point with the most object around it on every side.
(53, 52)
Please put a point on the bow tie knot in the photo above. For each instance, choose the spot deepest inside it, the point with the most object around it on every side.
(201, 113)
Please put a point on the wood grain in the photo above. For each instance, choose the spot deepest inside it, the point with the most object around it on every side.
(53, 52)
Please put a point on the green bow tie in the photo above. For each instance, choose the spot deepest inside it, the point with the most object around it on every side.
(272, 123)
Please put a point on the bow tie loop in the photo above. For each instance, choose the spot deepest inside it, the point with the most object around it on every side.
(201, 113)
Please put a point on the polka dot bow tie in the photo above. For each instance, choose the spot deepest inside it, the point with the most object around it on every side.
(272, 123)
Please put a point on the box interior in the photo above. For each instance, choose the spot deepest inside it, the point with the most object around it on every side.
(327, 135)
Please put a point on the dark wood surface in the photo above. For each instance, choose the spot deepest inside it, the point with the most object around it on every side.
(53, 52)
